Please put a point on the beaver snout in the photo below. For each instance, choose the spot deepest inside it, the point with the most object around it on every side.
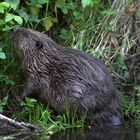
(18, 33)
(15, 29)
(13, 33)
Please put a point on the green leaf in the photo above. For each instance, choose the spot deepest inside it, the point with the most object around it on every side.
(109, 12)
(47, 24)
(37, 3)
(18, 19)
(42, 1)
(65, 7)
(33, 18)
(2, 55)
(30, 102)
(13, 3)
(87, 3)
(2, 22)
(65, 10)
(1, 9)
(7, 80)
(121, 63)
(138, 13)
(4, 101)
(65, 34)
(60, 3)
(3, 6)
(9, 17)
(77, 15)
(10, 82)
(1, 109)
(54, 20)
(6, 28)
(23, 14)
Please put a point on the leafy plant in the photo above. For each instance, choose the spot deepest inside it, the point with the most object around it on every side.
(87, 3)
(9, 20)
(35, 112)
(2, 54)
(3, 102)
(131, 106)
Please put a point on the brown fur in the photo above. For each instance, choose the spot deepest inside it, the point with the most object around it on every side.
(66, 78)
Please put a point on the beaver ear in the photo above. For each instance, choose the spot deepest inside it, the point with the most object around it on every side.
(39, 45)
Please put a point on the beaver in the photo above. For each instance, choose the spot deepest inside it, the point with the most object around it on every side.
(67, 79)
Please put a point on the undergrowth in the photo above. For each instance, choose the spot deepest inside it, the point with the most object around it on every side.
(37, 113)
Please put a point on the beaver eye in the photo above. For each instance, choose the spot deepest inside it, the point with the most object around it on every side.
(39, 45)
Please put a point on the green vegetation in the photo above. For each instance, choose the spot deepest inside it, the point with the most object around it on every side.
(102, 28)
(3, 102)
(36, 113)
(132, 107)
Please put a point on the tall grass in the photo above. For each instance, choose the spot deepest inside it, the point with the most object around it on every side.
(37, 113)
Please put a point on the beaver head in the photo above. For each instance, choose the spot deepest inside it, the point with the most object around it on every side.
(29, 42)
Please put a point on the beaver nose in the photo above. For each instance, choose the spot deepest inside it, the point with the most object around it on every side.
(13, 33)
(15, 29)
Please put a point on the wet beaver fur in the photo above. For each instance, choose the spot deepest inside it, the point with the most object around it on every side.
(67, 79)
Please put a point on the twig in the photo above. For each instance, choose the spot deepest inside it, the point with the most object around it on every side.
(22, 125)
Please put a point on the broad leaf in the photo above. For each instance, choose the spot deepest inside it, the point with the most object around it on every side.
(47, 24)
(87, 3)
(18, 19)
(9, 17)
(60, 3)
(30, 101)
(33, 18)
(3, 6)
(2, 21)
(13, 3)
(4, 101)
(6, 28)
(23, 14)
(2, 55)
(42, 1)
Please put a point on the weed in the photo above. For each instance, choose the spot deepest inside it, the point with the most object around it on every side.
(3, 102)
(36, 113)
